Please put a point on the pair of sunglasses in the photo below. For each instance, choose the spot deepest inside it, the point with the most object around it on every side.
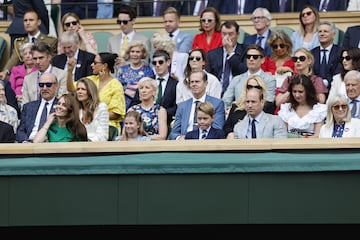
(253, 86)
(301, 58)
(206, 20)
(160, 62)
(197, 58)
(255, 57)
(125, 22)
(74, 23)
(347, 58)
(47, 84)
(275, 46)
(342, 106)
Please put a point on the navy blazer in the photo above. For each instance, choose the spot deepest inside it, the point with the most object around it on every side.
(168, 100)
(187, 7)
(27, 122)
(147, 8)
(229, 7)
(333, 65)
(273, 5)
(213, 134)
(83, 63)
(333, 5)
(11, 97)
(252, 40)
(352, 37)
(237, 61)
(183, 114)
(7, 134)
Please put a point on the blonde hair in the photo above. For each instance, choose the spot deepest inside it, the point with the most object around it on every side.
(137, 116)
(163, 42)
(308, 55)
(153, 83)
(137, 43)
(241, 101)
(207, 108)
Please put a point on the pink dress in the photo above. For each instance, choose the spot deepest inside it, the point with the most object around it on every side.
(17, 76)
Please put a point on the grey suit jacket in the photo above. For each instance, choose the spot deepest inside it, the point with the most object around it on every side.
(183, 42)
(114, 43)
(236, 85)
(30, 86)
(270, 126)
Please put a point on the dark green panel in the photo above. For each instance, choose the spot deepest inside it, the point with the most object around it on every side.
(327, 197)
(69, 200)
(4, 201)
(128, 199)
(193, 199)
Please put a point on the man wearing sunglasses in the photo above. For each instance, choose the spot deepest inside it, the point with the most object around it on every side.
(229, 60)
(33, 112)
(31, 24)
(261, 19)
(254, 59)
(118, 43)
(42, 57)
(326, 56)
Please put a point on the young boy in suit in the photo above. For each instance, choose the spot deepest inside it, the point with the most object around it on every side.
(205, 116)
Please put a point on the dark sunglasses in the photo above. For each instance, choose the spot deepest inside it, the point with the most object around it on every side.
(197, 58)
(306, 14)
(347, 58)
(281, 45)
(47, 84)
(255, 57)
(337, 107)
(253, 86)
(160, 62)
(206, 20)
(123, 21)
(74, 23)
(301, 58)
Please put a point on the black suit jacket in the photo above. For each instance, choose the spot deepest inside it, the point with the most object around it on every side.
(273, 5)
(27, 122)
(187, 7)
(333, 66)
(237, 62)
(11, 97)
(351, 37)
(83, 63)
(146, 8)
(168, 100)
(7, 134)
(333, 5)
(213, 134)
(229, 7)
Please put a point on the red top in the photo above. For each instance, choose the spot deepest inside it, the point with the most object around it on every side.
(270, 66)
(200, 41)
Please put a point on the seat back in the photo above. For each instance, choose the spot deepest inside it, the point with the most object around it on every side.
(101, 39)
(339, 37)
(3, 46)
(113, 133)
(289, 31)
(242, 35)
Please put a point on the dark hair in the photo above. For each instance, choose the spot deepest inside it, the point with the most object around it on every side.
(231, 23)
(255, 47)
(32, 11)
(42, 47)
(73, 122)
(204, 75)
(93, 100)
(188, 69)
(354, 54)
(311, 98)
(126, 9)
(161, 53)
(109, 59)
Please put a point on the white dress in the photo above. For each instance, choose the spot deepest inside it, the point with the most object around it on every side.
(306, 123)
(337, 87)
(98, 129)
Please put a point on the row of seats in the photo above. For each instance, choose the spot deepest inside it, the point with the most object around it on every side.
(102, 37)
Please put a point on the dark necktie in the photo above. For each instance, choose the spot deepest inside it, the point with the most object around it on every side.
(204, 134)
(259, 40)
(226, 76)
(354, 108)
(33, 40)
(253, 129)
(159, 95)
(323, 64)
(195, 125)
(43, 115)
(171, 35)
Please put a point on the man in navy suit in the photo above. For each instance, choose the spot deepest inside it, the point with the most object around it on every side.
(231, 53)
(194, 7)
(205, 116)
(329, 5)
(166, 84)
(239, 6)
(290, 5)
(183, 40)
(261, 18)
(32, 111)
(352, 37)
(331, 66)
(155, 8)
(70, 43)
(185, 119)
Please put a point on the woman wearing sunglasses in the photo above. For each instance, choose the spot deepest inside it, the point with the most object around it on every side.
(210, 36)
(71, 22)
(306, 36)
(303, 114)
(237, 111)
(280, 58)
(197, 61)
(303, 60)
(339, 122)
(350, 60)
